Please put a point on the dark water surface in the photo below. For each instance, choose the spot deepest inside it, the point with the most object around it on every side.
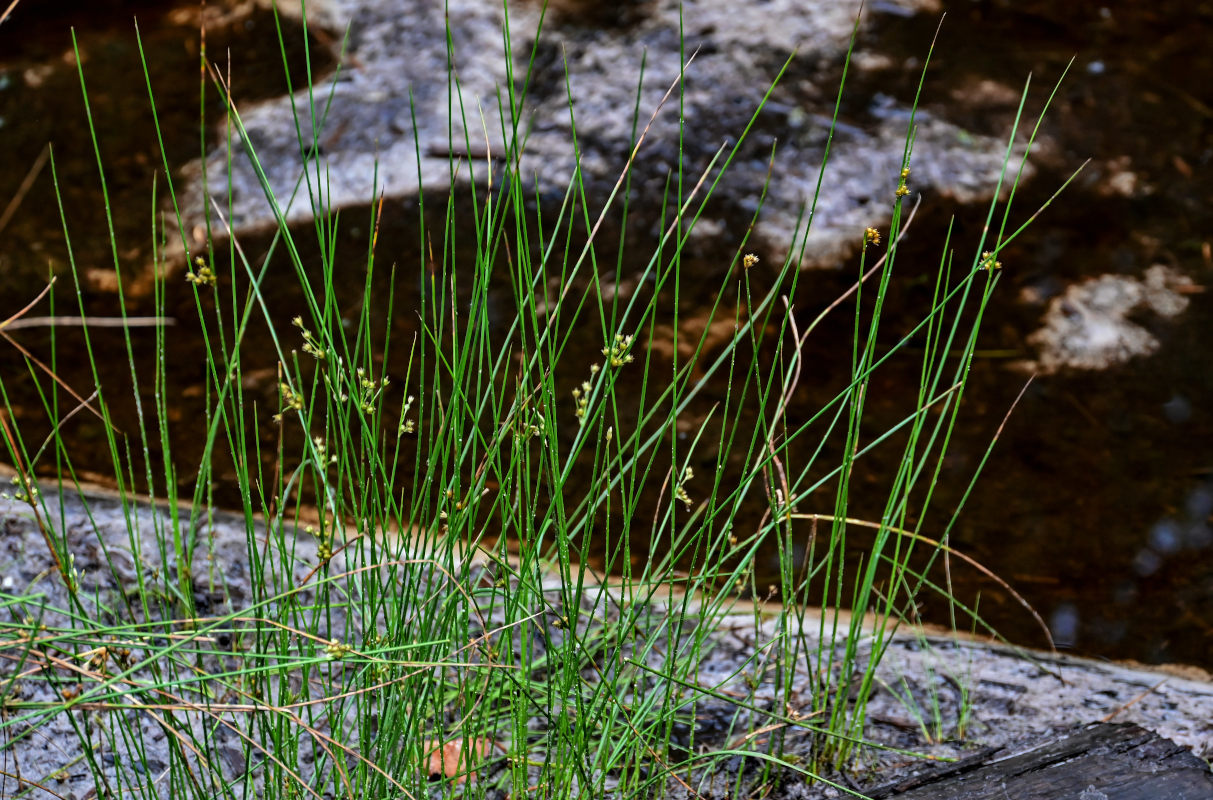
(1096, 502)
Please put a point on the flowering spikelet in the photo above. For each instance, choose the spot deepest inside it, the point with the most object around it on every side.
(617, 352)
(201, 274)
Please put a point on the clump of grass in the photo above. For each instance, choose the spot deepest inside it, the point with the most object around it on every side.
(424, 601)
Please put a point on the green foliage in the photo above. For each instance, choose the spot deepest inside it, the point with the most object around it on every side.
(450, 617)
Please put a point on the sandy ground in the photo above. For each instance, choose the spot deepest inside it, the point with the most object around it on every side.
(1014, 699)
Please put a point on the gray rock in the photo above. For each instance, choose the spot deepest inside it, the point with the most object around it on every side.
(395, 70)
(1090, 327)
(1002, 696)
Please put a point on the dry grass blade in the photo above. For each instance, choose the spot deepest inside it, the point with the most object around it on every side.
(32, 784)
(46, 290)
(946, 548)
(905, 228)
(26, 182)
(8, 11)
(13, 320)
(27, 486)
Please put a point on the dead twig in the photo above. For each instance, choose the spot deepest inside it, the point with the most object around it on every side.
(1117, 711)
(87, 322)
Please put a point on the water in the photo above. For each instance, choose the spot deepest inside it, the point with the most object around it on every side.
(1096, 501)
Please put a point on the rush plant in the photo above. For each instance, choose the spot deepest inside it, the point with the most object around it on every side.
(484, 556)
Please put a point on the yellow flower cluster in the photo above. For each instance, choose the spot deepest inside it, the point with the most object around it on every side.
(988, 261)
(681, 491)
(290, 400)
(203, 275)
(617, 352)
(902, 189)
(406, 425)
(310, 345)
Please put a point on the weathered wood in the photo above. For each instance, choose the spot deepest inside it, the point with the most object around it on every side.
(933, 774)
(1099, 762)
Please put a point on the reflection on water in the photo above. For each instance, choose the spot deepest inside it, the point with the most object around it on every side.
(1173, 535)
(1096, 502)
